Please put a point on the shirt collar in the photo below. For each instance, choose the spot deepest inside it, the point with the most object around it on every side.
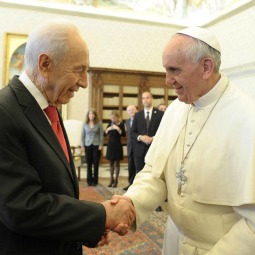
(34, 91)
(213, 94)
(150, 111)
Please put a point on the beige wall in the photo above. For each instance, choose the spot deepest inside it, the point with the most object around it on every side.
(138, 46)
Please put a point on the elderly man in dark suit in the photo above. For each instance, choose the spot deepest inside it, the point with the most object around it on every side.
(40, 212)
(131, 111)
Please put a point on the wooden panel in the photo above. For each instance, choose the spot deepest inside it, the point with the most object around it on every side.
(116, 89)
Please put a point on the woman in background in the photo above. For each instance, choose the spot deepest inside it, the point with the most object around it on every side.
(92, 142)
(114, 153)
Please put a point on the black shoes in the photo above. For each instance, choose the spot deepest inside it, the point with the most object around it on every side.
(126, 188)
(115, 184)
(92, 184)
(111, 183)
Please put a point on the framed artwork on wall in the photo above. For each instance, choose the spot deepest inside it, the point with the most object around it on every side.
(14, 55)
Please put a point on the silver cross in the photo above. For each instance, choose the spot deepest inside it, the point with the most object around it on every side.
(181, 179)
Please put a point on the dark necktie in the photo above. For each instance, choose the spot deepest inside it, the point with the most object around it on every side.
(52, 114)
(147, 120)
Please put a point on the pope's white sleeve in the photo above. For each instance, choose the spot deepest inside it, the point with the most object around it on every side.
(146, 193)
(240, 240)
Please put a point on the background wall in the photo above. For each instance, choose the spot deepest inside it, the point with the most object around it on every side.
(138, 46)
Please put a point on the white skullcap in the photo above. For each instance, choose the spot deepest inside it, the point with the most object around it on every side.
(202, 34)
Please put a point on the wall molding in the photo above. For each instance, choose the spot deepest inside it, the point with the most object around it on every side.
(240, 71)
(87, 11)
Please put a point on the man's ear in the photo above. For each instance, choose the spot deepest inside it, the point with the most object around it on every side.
(44, 62)
(208, 66)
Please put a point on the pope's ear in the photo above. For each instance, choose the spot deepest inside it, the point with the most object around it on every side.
(208, 68)
(44, 63)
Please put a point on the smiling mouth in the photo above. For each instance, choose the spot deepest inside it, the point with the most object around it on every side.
(177, 89)
(71, 92)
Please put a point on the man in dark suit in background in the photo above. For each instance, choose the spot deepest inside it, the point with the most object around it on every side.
(144, 128)
(131, 111)
(40, 212)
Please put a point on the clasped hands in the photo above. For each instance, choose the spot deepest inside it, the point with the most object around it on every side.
(120, 215)
(112, 128)
(146, 139)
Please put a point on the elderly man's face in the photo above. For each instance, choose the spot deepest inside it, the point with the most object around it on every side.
(162, 107)
(131, 110)
(68, 76)
(185, 76)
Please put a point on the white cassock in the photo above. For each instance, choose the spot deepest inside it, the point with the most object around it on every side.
(215, 212)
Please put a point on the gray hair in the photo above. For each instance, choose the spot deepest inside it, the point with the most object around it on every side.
(198, 49)
(51, 38)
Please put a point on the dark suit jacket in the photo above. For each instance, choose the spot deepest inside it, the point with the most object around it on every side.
(129, 140)
(39, 208)
(139, 128)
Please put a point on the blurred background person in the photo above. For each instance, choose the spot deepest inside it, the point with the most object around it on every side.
(92, 140)
(162, 107)
(131, 111)
(115, 129)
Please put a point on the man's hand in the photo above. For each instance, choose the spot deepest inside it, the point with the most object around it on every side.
(116, 198)
(146, 139)
(106, 238)
(120, 215)
(121, 229)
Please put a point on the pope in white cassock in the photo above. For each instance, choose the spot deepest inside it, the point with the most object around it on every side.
(202, 159)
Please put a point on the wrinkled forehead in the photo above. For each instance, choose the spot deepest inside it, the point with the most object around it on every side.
(177, 44)
(175, 50)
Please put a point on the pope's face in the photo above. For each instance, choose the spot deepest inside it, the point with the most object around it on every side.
(182, 74)
(69, 75)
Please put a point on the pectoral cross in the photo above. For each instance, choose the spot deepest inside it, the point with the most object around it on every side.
(181, 179)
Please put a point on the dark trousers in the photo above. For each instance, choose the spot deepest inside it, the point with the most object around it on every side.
(92, 157)
(139, 163)
(131, 168)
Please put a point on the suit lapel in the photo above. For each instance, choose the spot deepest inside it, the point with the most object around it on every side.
(153, 117)
(39, 121)
(128, 125)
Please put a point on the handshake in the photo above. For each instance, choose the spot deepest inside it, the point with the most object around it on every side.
(120, 215)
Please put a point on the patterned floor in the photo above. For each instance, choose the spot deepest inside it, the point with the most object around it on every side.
(147, 240)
